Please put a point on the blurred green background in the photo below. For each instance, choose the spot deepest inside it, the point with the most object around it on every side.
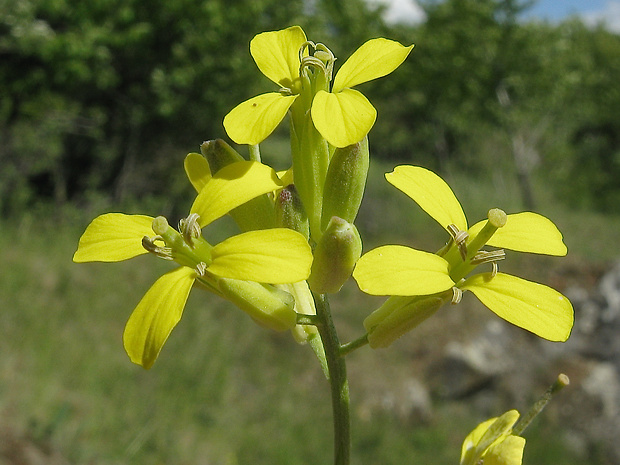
(100, 103)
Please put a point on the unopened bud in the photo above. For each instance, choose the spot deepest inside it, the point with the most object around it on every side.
(345, 182)
(270, 307)
(256, 213)
(335, 256)
(398, 315)
(290, 212)
(219, 154)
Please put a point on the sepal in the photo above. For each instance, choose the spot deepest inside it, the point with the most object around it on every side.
(335, 256)
(290, 212)
(345, 182)
(399, 315)
(270, 307)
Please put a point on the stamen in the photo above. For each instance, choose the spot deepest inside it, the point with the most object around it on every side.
(325, 54)
(312, 61)
(201, 268)
(483, 256)
(494, 270)
(190, 228)
(457, 295)
(285, 91)
(460, 239)
(162, 252)
(306, 45)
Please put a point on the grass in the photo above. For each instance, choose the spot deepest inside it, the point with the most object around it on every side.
(224, 391)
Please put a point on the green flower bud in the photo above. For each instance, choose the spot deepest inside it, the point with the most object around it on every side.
(345, 182)
(255, 214)
(400, 314)
(290, 211)
(270, 307)
(219, 154)
(335, 256)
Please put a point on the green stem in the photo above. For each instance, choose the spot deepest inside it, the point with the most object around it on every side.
(560, 383)
(339, 383)
(349, 347)
(254, 152)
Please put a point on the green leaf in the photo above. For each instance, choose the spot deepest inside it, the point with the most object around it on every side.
(156, 315)
(273, 256)
(113, 237)
(398, 270)
(526, 232)
(276, 54)
(197, 170)
(252, 121)
(531, 306)
(374, 59)
(232, 186)
(343, 118)
(431, 193)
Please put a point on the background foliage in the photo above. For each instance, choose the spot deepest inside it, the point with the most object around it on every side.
(100, 100)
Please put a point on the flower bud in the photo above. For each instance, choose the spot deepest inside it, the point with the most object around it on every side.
(255, 214)
(270, 307)
(219, 154)
(290, 211)
(335, 256)
(400, 314)
(345, 182)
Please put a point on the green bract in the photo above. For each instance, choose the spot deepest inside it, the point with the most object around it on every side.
(342, 116)
(402, 271)
(274, 256)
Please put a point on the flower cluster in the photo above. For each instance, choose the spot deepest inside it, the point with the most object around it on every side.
(298, 241)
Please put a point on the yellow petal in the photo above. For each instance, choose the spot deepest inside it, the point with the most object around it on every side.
(232, 186)
(156, 315)
(431, 193)
(398, 270)
(485, 435)
(113, 237)
(531, 306)
(252, 121)
(526, 232)
(507, 452)
(276, 54)
(273, 256)
(197, 170)
(469, 451)
(374, 59)
(343, 118)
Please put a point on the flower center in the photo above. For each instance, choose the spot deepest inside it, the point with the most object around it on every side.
(186, 246)
(316, 56)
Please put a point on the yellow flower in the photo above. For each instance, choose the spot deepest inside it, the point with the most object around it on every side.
(273, 256)
(343, 116)
(402, 271)
(491, 443)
